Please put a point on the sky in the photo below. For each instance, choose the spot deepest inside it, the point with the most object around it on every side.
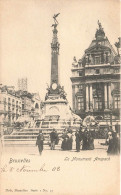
(26, 35)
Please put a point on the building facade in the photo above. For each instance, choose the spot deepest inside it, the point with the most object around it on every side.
(31, 104)
(14, 104)
(96, 81)
(10, 105)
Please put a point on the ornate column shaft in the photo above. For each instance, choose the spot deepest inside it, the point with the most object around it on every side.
(76, 88)
(87, 97)
(105, 95)
(91, 101)
(73, 95)
(109, 94)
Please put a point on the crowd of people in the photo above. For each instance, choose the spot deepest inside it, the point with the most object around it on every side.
(84, 139)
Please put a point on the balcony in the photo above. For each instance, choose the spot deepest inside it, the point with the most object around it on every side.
(97, 65)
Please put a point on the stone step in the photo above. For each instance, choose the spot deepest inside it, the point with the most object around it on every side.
(32, 132)
(27, 136)
(24, 142)
(24, 136)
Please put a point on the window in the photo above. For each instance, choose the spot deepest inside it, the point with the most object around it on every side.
(80, 103)
(4, 99)
(97, 103)
(80, 87)
(22, 106)
(117, 86)
(97, 60)
(116, 70)
(97, 71)
(80, 74)
(117, 102)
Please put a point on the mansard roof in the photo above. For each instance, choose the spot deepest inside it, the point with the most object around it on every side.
(100, 44)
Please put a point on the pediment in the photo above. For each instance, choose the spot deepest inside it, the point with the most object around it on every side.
(97, 47)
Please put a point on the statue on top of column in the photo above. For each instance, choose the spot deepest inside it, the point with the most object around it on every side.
(55, 20)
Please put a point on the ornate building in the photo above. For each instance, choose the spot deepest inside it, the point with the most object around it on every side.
(14, 104)
(10, 105)
(96, 80)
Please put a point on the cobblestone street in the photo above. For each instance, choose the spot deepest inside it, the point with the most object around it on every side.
(55, 171)
(33, 150)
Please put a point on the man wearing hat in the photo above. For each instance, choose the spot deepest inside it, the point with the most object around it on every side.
(39, 142)
(53, 139)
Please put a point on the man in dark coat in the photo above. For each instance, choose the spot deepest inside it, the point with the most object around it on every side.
(53, 139)
(78, 140)
(39, 142)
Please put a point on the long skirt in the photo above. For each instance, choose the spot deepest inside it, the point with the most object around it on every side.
(69, 144)
(91, 144)
(85, 144)
(40, 147)
(64, 145)
(77, 145)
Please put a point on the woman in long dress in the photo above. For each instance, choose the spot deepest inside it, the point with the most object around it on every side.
(78, 140)
(85, 140)
(69, 140)
(90, 139)
(64, 142)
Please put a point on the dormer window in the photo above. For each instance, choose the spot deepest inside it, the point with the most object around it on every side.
(97, 60)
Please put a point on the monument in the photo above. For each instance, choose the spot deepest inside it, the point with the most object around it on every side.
(56, 111)
(56, 107)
